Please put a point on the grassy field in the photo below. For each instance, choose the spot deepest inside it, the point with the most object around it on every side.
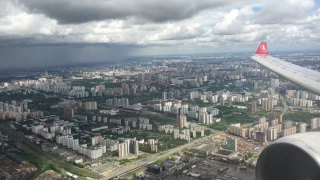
(163, 159)
(165, 141)
(4, 97)
(132, 173)
(41, 163)
(44, 164)
(300, 116)
(231, 115)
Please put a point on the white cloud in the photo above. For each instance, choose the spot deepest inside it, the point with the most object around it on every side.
(280, 21)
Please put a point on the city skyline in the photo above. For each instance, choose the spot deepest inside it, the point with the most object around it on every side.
(155, 115)
(46, 33)
(159, 89)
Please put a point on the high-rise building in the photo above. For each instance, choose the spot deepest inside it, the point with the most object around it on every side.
(151, 141)
(315, 123)
(122, 151)
(261, 137)
(302, 127)
(287, 124)
(270, 104)
(262, 120)
(143, 77)
(68, 113)
(127, 146)
(209, 119)
(254, 106)
(289, 131)
(90, 105)
(205, 118)
(264, 103)
(264, 94)
(274, 83)
(272, 134)
(229, 101)
(232, 144)
(125, 89)
(134, 147)
(18, 109)
(221, 101)
(274, 122)
(279, 117)
(177, 94)
(14, 103)
(164, 96)
(181, 121)
(134, 90)
(5, 106)
(202, 117)
(272, 116)
(154, 148)
(2, 116)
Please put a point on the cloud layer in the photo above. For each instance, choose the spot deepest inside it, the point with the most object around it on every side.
(159, 26)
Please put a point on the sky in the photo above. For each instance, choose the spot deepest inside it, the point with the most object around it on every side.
(56, 32)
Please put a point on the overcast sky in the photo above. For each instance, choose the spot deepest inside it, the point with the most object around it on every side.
(51, 32)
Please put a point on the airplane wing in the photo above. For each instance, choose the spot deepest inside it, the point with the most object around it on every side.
(306, 78)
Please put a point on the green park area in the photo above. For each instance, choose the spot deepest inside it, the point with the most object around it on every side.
(16, 96)
(232, 115)
(38, 101)
(41, 163)
(165, 141)
(90, 83)
(225, 152)
(300, 116)
(200, 103)
(44, 105)
(54, 163)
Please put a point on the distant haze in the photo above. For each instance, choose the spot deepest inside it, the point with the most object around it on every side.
(56, 32)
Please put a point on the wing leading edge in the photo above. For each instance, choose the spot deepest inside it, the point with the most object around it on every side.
(306, 78)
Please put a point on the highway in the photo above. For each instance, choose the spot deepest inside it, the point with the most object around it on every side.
(147, 161)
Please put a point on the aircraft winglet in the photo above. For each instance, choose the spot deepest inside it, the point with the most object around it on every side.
(262, 49)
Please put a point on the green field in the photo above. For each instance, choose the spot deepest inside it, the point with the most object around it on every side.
(165, 141)
(300, 116)
(14, 96)
(41, 163)
(231, 115)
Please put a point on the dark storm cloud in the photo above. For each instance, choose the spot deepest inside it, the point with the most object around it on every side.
(81, 11)
(15, 41)
(60, 54)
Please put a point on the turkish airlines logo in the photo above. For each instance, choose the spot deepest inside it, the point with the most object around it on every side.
(263, 48)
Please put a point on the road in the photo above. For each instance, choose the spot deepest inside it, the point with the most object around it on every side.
(284, 103)
(147, 161)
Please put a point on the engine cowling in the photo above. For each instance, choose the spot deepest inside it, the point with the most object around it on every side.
(295, 157)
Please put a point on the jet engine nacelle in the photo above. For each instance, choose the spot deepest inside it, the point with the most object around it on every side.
(295, 157)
